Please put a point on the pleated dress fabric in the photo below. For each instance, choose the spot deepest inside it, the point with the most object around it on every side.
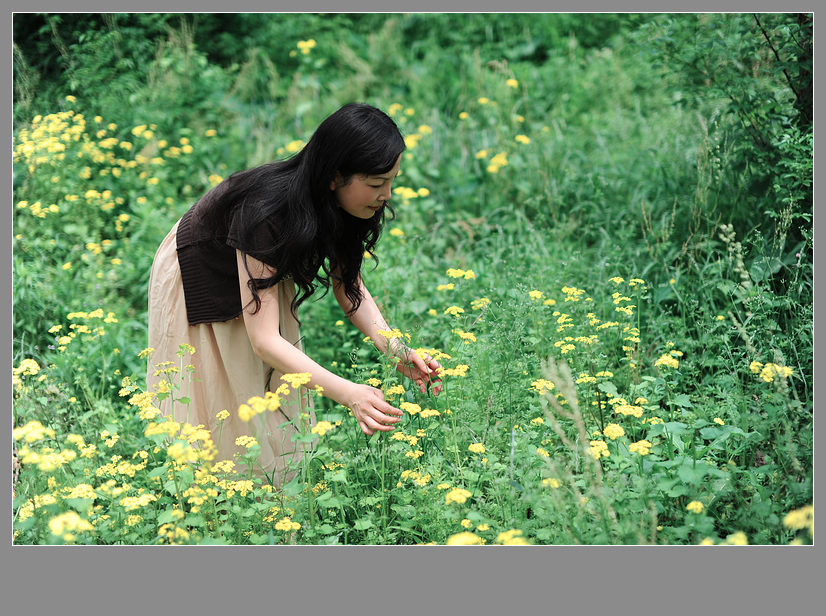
(227, 373)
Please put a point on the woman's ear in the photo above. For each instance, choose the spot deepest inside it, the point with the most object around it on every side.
(337, 181)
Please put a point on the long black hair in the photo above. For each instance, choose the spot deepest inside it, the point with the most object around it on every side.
(285, 214)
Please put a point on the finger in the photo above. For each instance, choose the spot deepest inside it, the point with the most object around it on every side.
(375, 425)
(382, 406)
(365, 429)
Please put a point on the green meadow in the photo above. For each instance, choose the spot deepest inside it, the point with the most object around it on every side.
(603, 232)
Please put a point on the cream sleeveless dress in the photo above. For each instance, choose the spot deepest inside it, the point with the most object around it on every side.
(226, 374)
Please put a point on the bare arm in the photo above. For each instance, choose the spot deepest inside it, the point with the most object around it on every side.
(367, 403)
(369, 320)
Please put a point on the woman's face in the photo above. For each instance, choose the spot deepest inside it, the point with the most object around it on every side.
(364, 195)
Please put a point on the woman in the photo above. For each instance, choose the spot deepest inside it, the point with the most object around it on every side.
(231, 274)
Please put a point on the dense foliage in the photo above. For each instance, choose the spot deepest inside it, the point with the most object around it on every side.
(604, 230)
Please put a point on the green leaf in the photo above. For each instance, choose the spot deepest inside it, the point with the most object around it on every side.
(682, 400)
(159, 471)
(363, 524)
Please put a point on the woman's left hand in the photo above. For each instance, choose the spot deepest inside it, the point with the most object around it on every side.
(423, 371)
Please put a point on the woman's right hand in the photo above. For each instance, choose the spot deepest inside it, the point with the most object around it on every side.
(371, 410)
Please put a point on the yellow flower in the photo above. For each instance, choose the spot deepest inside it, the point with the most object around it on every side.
(322, 427)
(457, 495)
(551, 482)
(543, 452)
(480, 303)
(445, 287)
(297, 379)
(695, 507)
(286, 524)
(410, 407)
(246, 441)
(522, 139)
(799, 519)
(454, 310)
(424, 129)
(536, 294)
(395, 390)
(738, 538)
(466, 523)
(719, 421)
(512, 83)
(476, 448)
(483, 100)
(598, 449)
(537, 421)
(541, 386)
(463, 115)
(642, 447)
(511, 537)
(396, 232)
(67, 523)
(464, 538)
(613, 431)
(667, 360)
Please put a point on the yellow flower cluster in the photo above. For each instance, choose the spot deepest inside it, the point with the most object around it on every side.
(464, 538)
(32, 431)
(667, 360)
(429, 413)
(457, 495)
(497, 162)
(613, 431)
(394, 390)
(572, 294)
(551, 482)
(410, 407)
(480, 304)
(695, 507)
(628, 409)
(642, 447)
(598, 449)
(542, 386)
(306, 46)
(297, 379)
(246, 441)
(47, 460)
(415, 477)
(769, 371)
(322, 427)
(467, 337)
(798, 519)
(405, 193)
(476, 448)
(512, 537)
(459, 370)
(68, 523)
(131, 503)
(287, 525)
(460, 273)
(270, 402)
(454, 310)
